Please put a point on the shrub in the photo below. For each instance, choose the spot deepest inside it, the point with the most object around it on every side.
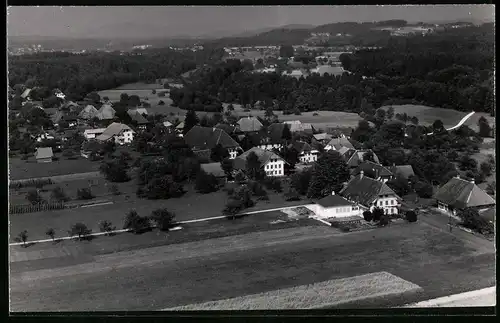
(106, 226)
(297, 112)
(79, 229)
(84, 194)
(163, 218)
(34, 197)
(368, 216)
(315, 114)
(384, 220)
(136, 223)
(161, 102)
(51, 233)
(22, 237)
(292, 195)
(377, 214)
(472, 220)
(344, 229)
(113, 189)
(59, 195)
(263, 198)
(233, 206)
(206, 183)
(153, 92)
(423, 189)
(411, 216)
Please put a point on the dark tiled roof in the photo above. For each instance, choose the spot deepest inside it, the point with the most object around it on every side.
(403, 170)
(137, 117)
(214, 169)
(372, 170)
(207, 138)
(227, 128)
(340, 142)
(334, 201)
(275, 132)
(461, 193)
(300, 146)
(365, 190)
(264, 156)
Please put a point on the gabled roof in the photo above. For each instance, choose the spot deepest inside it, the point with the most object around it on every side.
(322, 136)
(89, 112)
(402, 170)
(372, 170)
(249, 124)
(301, 146)
(106, 112)
(355, 157)
(334, 201)
(297, 126)
(227, 128)
(97, 130)
(180, 125)
(337, 143)
(264, 157)
(137, 117)
(207, 138)
(112, 130)
(365, 190)
(44, 152)
(26, 93)
(167, 124)
(214, 169)
(275, 132)
(461, 194)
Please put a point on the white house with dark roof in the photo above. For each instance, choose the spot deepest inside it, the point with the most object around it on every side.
(249, 124)
(336, 206)
(93, 133)
(119, 132)
(306, 153)
(273, 164)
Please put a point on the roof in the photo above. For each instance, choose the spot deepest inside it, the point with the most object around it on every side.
(301, 146)
(89, 112)
(214, 169)
(331, 70)
(402, 170)
(167, 124)
(26, 93)
(372, 170)
(337, 143)
(334, 201)
(44, 152)
(180, 125)
(140, 110)
(112, 130)
(322, 136)
(264, 157)
(207, 138)
(275, 132)
(106, 112)
(91, 145)
(137, 117)
(227, 128)
(98, 130)
(249, 124)
(297, 126)
(355, 157)
(489, 214)
(365, 190)
(461, 193)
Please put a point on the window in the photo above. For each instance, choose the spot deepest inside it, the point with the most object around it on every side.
(379, 203)
(386, 202)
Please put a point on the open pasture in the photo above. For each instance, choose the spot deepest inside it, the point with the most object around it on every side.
(427, 115)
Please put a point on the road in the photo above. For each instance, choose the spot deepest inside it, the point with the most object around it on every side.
(477, 298)
(461, 122)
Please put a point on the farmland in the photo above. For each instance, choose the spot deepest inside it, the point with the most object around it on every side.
(248, 264)
(24, 169)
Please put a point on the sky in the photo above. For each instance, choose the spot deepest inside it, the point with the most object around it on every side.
(169, 21)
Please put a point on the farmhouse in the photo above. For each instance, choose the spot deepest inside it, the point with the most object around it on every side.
(249, 124)
(44, 154)
(106, 112)
(371, 193)
(337, 143)
(373, 170)
(297, 126)
(306, 153)
(273, 164)
(70, 118)
(216, 170)
(88, 113)
(355, 157)
(203, 138)
(138, 119)
(119, 132)
(273, 139)
(93, 133)
(405, 171)
(335, 206)
(458, 194)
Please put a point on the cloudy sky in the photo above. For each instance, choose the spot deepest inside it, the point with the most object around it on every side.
(196, 20)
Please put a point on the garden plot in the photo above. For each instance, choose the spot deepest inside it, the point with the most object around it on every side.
(319, 295)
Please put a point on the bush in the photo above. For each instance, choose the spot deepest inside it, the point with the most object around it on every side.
(292, 195)
(79, 229)
(423, 189)
(106, 226)
(136, 223)
(233, 206)
(472, 220)
(51, 233)
(163, 218)
(315, 114)
(34, 197)
(368, 216)
(22, 237)
(113, 189)
(84, 194)
(59, 195)
(297, 112)
(206, 183)
(384, 220)
(377, 214)
(411, 216)
(161, 102)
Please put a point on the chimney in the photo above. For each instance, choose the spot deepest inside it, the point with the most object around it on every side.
(333, 192)
(361, 173)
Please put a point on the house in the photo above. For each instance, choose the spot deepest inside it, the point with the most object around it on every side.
(354, 157)
(93, 133)
(202, 138)
(458, 194)
(327, 69)
(141, 111)
(306, 153)
(322, 138)
(297, 126)
(249, 124)
(180, 128)
(89, 147)
(374, 170)
(167, 124)
(89, 112)
(58, 93)
(405, 171)
(336, 206)
(70, 118)
(216, 170)
(272, 163)
(106, 112)
(121, 133)
(138, 119)
(370, 193)
(26, 94)
(44, 154)
(43, 135)
(274, 137)
(337, 143)
(229, 129)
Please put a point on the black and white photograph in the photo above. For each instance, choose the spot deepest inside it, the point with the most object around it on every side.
(176, 159)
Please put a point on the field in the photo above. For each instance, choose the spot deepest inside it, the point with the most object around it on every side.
(24, 169)
(319, 295)
(247, 264)
(427, 115)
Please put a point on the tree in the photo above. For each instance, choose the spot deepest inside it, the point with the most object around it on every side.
(384, 220)
(301, 180)
(94, 97)
(218, 153)
(399, 185)
(34, 197)
(437, 126)
(468, 163)
(414, 120)
(484, 127)
(292, 195)
(491, 188)
(190, 121)
(163, 187)
(59, 195)
(485, 168)
(377, 213)
(233, 206)
(411, 216)
(51, 233)
(286, 51)
(329, 174)
(115, 170)
(135, 223)
(23, 237)
(84, 194)
(230, 107)
(472, 220)
(227, 166)
(107, 227)
(390, 113)
(206, 183)
(423, 189)
(79, 229)
(253, 167)
(368, 216)
(113, 189)
(163, 218)
(287, 134)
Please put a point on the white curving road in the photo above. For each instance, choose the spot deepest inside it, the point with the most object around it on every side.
(460, 123)
(482, 297)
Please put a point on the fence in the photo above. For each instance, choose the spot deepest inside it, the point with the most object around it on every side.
(19, 209)
(30, 182)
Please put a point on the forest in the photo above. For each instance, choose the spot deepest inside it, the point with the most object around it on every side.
(452, 70)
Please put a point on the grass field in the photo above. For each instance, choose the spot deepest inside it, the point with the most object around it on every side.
(319, 295)
(24, 169)
(254, 263)
(427, 115)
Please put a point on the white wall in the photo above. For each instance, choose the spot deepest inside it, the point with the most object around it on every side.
(271, 146)
(308, 157)
(338, 212)
(125, 137)
(233, 152)
(275, 167)
(389, 203)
